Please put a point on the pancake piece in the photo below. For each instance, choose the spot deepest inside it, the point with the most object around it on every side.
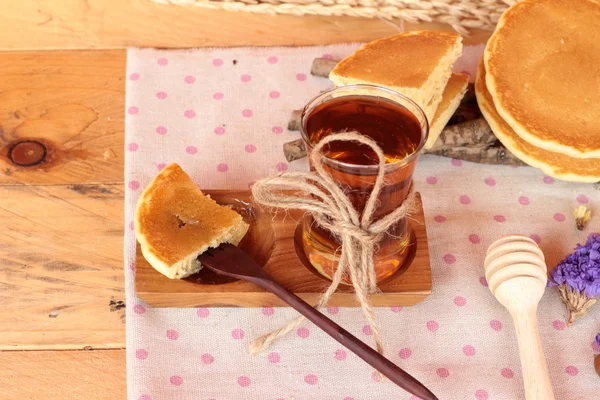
(543, 72)
(453, 94)
(415, 64)
(553, 164)
(175, 222)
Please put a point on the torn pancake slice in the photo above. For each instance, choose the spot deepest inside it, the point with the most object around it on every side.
(451, 98)
(553, 164)
(175, 222)
(416, 64)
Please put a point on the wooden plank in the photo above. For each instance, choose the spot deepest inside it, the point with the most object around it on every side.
(270, 241)
(61, 267)
(72, 103)
(90, 24)
(65, 375)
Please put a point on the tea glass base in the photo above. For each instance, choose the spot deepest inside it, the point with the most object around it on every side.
(322, 253)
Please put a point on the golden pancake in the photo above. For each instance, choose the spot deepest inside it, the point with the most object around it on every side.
(543, 72)
(175, 222)
(553, 164)
(453, 93)
(415, 64)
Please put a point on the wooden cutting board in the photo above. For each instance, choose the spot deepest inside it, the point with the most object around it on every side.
(271, 242)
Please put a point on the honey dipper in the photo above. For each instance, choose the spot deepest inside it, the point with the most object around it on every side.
(516, 273)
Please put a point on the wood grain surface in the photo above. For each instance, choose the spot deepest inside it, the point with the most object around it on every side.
(93, 24)
(73, 104)
(62, 266)
(63, 375)
(61, 263)
(61, 245)
(270, 241)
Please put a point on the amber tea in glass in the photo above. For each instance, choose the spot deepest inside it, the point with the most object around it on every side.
(400, 128)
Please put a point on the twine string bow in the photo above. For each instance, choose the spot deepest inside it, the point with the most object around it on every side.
(333, 210)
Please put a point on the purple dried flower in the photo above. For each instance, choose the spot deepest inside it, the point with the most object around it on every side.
(598, 339)
(578, 278)
(581, 269)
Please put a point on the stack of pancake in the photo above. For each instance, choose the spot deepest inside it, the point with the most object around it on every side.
(538, 86)
(415, 64)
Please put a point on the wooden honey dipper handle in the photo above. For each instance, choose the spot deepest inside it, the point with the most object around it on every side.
(536, 379)
(516, 267)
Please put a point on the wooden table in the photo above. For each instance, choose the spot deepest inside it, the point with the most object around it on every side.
(62, 320)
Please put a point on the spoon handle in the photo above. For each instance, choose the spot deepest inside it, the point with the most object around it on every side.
(352, 343)
(535, 370)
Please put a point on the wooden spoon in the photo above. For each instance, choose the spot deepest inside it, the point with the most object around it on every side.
(516, 267)
(230, 261)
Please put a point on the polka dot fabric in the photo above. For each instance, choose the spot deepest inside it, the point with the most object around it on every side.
(221, 114)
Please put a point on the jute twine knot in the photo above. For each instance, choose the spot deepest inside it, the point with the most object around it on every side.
(320, 195)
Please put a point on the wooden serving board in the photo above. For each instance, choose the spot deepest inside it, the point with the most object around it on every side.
(270, 241)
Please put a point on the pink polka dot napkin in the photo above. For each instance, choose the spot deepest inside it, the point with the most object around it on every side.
(222, 115)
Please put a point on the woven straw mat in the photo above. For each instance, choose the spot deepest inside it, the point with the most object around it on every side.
(462, 15)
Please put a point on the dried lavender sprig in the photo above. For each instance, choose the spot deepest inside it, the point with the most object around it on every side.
(578, 278)
(581, 269)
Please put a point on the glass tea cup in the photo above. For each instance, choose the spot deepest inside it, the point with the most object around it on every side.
(400, 128)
